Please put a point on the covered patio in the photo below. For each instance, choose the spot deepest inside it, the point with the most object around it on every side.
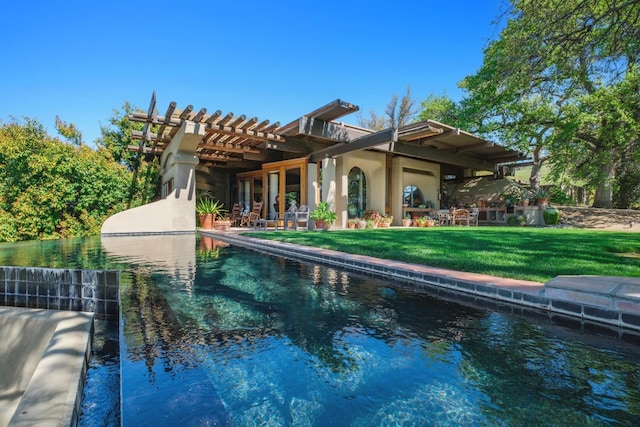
(241, 159)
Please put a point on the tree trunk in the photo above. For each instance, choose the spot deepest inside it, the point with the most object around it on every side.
(535, 178)
(604, 192)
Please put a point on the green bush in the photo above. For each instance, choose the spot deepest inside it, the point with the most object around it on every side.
(559, 197)
(53, 189)
(516, 220)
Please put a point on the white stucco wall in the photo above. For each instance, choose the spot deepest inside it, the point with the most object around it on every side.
(429, 185)
(176, 212)
(373, 166)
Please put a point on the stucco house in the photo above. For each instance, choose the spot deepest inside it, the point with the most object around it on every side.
(314, 158)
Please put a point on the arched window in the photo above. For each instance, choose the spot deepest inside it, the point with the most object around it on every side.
(412, 197)
(357, 193)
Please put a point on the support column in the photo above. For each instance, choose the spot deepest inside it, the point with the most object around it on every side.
(329, 182)
(313, 186)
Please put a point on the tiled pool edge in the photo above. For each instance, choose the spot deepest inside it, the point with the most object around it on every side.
(95, 291)
(50, 292)
(621, 312)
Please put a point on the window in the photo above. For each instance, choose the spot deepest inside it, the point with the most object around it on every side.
(357, 195)
(412, 197)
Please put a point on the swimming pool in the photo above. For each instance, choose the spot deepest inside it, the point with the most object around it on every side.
(225, 335)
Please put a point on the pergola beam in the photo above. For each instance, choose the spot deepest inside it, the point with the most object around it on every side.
(362, 143)
(441, 156)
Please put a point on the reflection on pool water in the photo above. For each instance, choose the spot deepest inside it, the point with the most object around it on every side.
(230, 336)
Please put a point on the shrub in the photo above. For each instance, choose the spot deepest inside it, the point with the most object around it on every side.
(516, 220)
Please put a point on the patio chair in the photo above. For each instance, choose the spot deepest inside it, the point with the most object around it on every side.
(299, 217)
(444, 217)
(473, 216)
(461, 216)
(250, 219)
(236, 214)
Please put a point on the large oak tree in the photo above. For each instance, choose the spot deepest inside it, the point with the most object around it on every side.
(562, 79)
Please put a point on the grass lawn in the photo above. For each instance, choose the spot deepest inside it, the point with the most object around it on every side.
(537, 254)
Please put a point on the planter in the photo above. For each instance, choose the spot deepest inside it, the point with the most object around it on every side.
(206, 221)
(551, 216)
(542, 201)
(406, 222)
(362, 224)
(222, 225)
(320, 224)
(351, 225)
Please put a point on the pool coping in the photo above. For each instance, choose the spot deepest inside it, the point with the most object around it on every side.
(54, 393)
(610, 300)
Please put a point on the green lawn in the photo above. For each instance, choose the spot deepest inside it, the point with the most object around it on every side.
(537, 254)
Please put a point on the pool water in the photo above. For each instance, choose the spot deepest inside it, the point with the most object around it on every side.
(227, 336)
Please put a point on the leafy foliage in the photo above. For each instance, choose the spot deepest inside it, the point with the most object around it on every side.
(51, 189)
(445, 110)
(562, 80)
(116, 138)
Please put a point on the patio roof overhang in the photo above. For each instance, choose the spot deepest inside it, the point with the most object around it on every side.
(241, 142)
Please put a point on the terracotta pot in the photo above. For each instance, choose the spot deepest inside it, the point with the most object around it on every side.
(351, 225)
(320, 224)
(406, 223)
(206, 221)
(222, 225)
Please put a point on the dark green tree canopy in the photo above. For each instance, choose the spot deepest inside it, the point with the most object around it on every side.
(562, 79)
(51, 189)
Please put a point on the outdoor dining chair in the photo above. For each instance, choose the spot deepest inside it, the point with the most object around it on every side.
(461, 216)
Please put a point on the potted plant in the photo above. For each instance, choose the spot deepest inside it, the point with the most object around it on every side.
(385, 221)
(362, 224)
(526, 195)
(406, 221)
(205, 208)
(352, 223)
(371, 214)
(223, 223)
(541, 196)
(291, 198)
(217, 210)
(322, 216)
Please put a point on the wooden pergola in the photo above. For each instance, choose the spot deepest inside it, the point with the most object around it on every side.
(227, 138)
(243, 143)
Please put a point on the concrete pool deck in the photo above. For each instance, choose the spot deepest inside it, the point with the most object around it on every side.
(43, 360)
(612, 301)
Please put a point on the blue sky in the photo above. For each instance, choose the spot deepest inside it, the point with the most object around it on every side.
(80, 60)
